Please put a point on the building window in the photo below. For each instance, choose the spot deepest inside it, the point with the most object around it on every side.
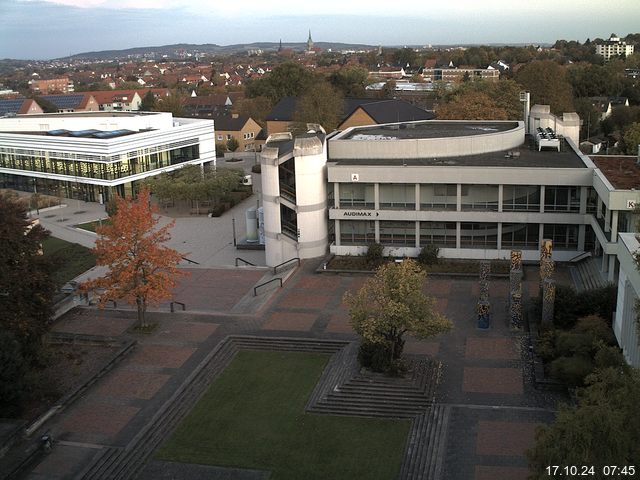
(289, 222)
(220, 137)
(438, 196)
(478, 235)
(398, 233)
(561, 199)
(520, 235)
(521, 198)
(440, 234)
(357, 232)
(401, 196)
(565, 237)
(356, 195)
(480, 197)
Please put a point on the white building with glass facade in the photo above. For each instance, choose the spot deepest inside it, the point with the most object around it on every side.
(93, 155)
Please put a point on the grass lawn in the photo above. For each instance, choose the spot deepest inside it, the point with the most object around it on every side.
(253, 417)
(91, 226)
(69, 259)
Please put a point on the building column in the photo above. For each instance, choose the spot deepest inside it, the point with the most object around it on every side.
(583, 200)
(605, 262)
(336, 231)
(500, 199)
(582, 233)
(417, 196)
(336, 195)
(499, 232)
(376, 198)
(540, 234)
(458, 229)
(607, 220)
(377, 231)
(614, 226)
(542, 194)
(458, 200)
(612, 268)
(599, 208)
(417, 233)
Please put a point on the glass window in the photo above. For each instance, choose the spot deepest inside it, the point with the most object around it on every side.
(478, 235)
(561, 199)
(565, 237)
(480, 197)
(400, 196)
(438, 196)
(440, 234)
(520, 235)
(398, 233)
(521, 198)
(357, 195)
(355, 232)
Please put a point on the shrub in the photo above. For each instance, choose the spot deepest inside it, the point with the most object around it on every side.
(428, 255)
(609, 356)
(13, 368)
(374, 356)
(374, 255)
(232, 144)
(571, 370)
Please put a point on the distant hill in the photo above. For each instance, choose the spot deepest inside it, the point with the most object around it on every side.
(210, 48)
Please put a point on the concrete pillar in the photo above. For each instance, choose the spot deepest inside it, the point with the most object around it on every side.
(500, 234)
(459, 198)
(458, 230)
(607, 220)
(417, 196)
(336, 195)
(540, 233)
(599, 208)
(417, 234)
(377, 231)
(376, 197)
(336, 231)
(583, 200)
(542, 194)
(614, 226)
(612, 268)
(500, 199)
(582, 232)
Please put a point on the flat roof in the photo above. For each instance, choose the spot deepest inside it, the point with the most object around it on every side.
(428, 129)
(526, 155)
(87, 114)
(623, 172)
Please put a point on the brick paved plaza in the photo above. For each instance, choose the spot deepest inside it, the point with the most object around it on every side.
(494, 411)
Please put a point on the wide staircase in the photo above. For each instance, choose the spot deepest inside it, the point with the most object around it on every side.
(586, 274)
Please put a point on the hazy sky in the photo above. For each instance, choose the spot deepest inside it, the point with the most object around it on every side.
(42, 29)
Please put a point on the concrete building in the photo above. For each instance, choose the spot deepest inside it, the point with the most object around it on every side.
(92, 155)
(625, 324)
(459, 74)
(613, 48)
(53, 85)
(244, 129)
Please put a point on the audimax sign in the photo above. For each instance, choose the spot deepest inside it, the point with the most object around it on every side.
(360, 213)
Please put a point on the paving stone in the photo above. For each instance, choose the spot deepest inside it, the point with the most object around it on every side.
(99, 418)
(300, 322)
(484, 472)
(492, 380)
(319, 283)
(303, 299)
(421, 347)
(99, 325)
(491, 348)
(163, 356)
(132, 384)
(505, 438)
(186, 331)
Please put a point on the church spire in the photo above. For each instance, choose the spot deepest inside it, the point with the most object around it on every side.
(309, 42)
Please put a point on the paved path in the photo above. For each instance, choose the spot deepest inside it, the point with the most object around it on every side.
(494, 409)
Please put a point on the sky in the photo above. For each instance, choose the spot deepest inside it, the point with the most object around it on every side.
(46, 29)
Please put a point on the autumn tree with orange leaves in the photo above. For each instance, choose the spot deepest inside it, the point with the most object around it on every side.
(142, 271)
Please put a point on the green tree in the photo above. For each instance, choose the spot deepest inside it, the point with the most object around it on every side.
(604, 428)
(26, 286)
(290, 79)
(148, 103)
(632, 138)
(13, 370)
(391, 304)
(350, 80)
(174, 103)
(405, 56)
(256, 108)
(322, 104)
(232, 144)
(548, 83)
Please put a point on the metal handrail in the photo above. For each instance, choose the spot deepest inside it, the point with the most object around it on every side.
(177, 303)
(275, 269)
(189, 260)
(580, 256)
(245, 261)
(255, 289)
